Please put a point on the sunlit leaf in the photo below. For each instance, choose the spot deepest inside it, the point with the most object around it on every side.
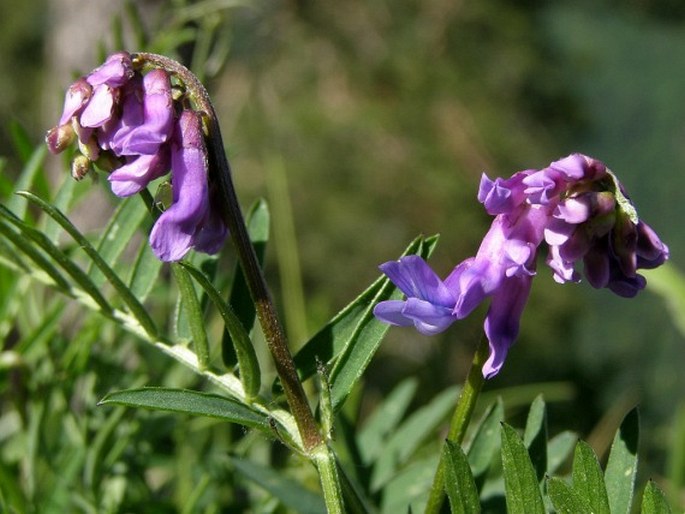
(565, 499)
(654, 501)
(193, 313)
(535, 436)
(189, 402)
(131, 301)
(250, 374)
(619, 475)
(588, 480)
(520, 481)
(459, 482)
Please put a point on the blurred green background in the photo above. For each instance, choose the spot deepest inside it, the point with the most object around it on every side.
(379, 116)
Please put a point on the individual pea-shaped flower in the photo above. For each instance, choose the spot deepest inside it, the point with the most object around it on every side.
(190, 221)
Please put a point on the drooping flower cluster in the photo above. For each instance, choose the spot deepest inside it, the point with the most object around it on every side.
(576, 206)
(129, 122)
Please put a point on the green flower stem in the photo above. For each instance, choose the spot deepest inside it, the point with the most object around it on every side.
(220, 172)
(324, 459)
(459, 423)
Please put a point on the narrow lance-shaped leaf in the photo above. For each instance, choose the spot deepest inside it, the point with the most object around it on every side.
(520, 481)
(36, 256)
(535, 436)
(565, 499)
(619, 476)
(193, 311)
(258, 219)
(60, 258)
(588, 480)
(485, 441)
(365, 339)
(189, 402)
(459, 482)
(654, 501)
(250, 375)
(131, 301)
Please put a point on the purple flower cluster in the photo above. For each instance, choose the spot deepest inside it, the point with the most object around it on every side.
(129, 122)
(576, 206)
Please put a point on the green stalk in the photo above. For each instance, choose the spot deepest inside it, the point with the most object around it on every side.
(330, 483)
(220, 173)
(459, 423)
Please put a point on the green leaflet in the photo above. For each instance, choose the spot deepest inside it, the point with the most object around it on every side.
(189, 402)
(566, 499)
(192, 309)
(250, 374)
(520, 480)
(131, 301)
(654, 501)
(60, 258)
(535, 436)
(459, 482)
(588, 479)
(619, 475)
(485, 441)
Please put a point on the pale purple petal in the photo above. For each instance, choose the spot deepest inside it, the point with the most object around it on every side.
(153, 121)
(503, 319)
(115, 71)
(138, 172)
(502, 196)
(563, 269)
(574, 210)
(77, 96)
(571, 168)
(99, 108)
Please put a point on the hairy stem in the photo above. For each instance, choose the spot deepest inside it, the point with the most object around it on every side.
(233, 217)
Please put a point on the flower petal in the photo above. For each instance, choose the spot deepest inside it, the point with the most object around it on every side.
(503, 319)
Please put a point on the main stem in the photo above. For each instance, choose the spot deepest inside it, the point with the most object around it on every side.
(459, 423)
(233, 217)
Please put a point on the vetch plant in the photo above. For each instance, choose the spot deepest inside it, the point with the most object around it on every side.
(143, 120)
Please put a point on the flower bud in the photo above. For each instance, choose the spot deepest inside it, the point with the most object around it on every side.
(80, 167)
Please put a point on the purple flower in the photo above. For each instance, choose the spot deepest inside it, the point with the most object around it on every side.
(430, 303)
(189, 221)
(127, 123)
(575, 205)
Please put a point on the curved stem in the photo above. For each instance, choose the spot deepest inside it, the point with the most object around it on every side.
(233, 217)
(459, 423)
